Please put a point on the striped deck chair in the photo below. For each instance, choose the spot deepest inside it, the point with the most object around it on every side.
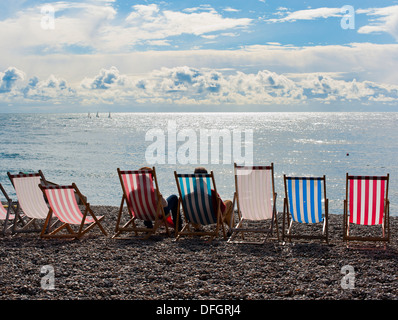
(198, 205)
(367, 204)
(255, 198)
(144, 202)
(303, 204)
(5, 211)
(63, 205)
(30, 200)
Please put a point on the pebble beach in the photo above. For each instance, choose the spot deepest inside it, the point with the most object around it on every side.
(101, 268)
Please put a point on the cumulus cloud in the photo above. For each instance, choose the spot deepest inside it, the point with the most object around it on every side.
(52, 89)
(9, 78)
(106, 79)
(186, 85)
(198, 86)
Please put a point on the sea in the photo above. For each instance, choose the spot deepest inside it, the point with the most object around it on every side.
(87, 148)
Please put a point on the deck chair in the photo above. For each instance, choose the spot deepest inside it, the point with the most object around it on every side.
(5, 211)
(367, 204)
(255, 198)
(63, 205)
(144, 202)
(30, 200)
(198, 205)
(303, 205)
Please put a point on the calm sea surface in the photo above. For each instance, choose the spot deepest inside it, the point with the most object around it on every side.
(75, 148)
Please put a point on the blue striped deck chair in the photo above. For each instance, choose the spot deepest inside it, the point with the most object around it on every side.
(305, 203)
(255, 198)
(198, 205)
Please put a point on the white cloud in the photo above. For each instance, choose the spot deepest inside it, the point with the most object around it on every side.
(307, 14)
(229, 9)
(94, 26)
(386, 21)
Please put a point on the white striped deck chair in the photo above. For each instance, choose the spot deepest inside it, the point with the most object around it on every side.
(305, 203)
(200, 204)
(64, 206)
(255, 198)
(30, 199)
(367, 204)
(144, 202)
(5, 212)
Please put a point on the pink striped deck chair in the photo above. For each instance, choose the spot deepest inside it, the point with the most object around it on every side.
(30, 200)
(63, 205)
(367, 204)
(256, 201)
(5, 212)
(144, 202)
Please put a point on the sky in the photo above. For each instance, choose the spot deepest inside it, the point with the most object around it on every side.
(216, 55)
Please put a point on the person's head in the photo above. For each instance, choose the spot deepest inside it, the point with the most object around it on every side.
(200, 170)
(149, 178)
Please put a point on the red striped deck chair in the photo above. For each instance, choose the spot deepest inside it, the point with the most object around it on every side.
(198, 204)
(305, 203)
(366, 204)
(255, 198)
(30, 200)
(63, 205)
(144, 202)
(5, 211)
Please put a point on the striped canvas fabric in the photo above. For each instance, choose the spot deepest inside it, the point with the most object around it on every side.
(197, 198)
(3, 213)
(254, 186)
(140, 194)
(63, 203)
(366, 199)
(305, 199)
(29, 195)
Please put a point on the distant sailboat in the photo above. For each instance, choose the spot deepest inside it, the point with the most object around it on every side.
(109, 116)
(97, 115)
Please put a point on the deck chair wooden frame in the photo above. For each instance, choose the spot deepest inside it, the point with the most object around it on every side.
(63, 204)
(6, 211)
(255, 199)
(373, 207)
(143, 202)
(198, 208)
(303, 204)
(32, 206)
